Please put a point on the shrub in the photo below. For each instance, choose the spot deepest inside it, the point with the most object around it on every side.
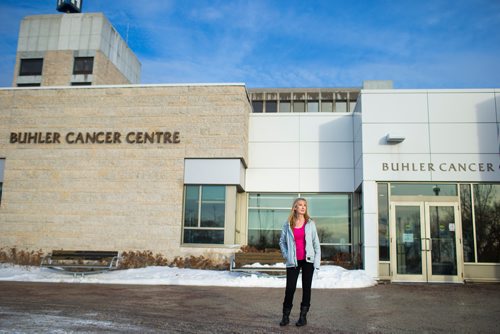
(141, 259)
(20, 257)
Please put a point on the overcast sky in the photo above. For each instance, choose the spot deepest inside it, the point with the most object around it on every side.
(291, 43)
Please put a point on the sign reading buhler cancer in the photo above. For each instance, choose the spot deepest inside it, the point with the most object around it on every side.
(98, 137)
(436, 167)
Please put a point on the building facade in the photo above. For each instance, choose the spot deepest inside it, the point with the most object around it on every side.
(406, 186)
(402, 183)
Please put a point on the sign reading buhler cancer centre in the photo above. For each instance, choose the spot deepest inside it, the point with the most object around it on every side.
(100, 137)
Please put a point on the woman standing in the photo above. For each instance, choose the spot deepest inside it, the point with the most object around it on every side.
(299, 244)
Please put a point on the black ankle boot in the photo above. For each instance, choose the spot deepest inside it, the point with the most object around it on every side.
(303, 316)
(286, 316)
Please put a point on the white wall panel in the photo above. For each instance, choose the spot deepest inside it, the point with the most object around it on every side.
(326, 180)
(394, 107)
(370, 198)
(319, 127)
(370, 260)
(497, 104)
(273, 155)
(462, 107)
(213, 171)
(272, 180)
(416, 138)
(357, 124)
(273, 128)
(358, 150)
(326, 155)
(358, 174)
(464, 138)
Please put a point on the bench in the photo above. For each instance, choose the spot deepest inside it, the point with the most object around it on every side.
(80, 262)
(257, 263)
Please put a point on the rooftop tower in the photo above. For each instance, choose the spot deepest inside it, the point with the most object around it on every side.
(72, 49)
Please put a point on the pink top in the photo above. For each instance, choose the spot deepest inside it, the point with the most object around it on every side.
(300, 241)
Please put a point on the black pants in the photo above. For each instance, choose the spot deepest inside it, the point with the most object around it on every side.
(292, 274)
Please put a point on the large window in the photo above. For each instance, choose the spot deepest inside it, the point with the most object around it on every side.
(467, 223)
(204, 214)
(486, 199)
(332, 213)
(266, 215)
(31, 66)
(83, 65)
(383, 222)
(481, 222)
(310, 100)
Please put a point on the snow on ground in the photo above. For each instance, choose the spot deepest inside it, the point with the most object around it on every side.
(328, 277)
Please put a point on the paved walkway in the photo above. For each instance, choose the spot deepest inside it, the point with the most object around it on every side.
(389, 308)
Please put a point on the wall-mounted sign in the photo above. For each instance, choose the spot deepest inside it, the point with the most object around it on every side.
(101, 137)
(439, 167)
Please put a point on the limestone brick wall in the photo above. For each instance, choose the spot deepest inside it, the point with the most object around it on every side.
(57, 68)
(117, 196)
(105, 72)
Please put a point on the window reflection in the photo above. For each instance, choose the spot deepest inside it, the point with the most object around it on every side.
(204, 214)
(467, 225)
(487, 221)
(332, 213)
(383, 221)
(423, 189)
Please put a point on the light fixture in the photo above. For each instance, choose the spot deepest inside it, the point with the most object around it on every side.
(394, 138)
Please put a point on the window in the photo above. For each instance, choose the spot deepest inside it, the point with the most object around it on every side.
(258, 106)
(299, 106)
(2, 163)
(28, 85)
(312, 102)
(487, 221)
(83, 65)
(266, 215)
(312, 106)
(284, 101)
(332, 213)
(423, 189)
(31, 66)
(383, 222)
(467, 223)
(204, 214)
(271, 106)
(326, 106)
(83, 83)
(340, 106)
(284, 106)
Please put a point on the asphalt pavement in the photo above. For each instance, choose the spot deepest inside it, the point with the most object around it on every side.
(385, 308)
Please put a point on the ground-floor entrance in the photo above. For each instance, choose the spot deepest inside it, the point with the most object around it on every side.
(426, 241)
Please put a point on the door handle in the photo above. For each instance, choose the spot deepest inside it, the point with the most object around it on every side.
(427, 246)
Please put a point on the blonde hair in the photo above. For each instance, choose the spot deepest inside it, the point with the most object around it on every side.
(291, 217)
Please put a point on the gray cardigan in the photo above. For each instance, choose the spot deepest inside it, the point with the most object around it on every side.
(287, 245)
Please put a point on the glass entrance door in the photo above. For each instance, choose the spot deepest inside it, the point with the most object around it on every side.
(424, 239)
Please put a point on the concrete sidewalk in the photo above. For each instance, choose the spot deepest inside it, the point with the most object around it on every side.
(391, 308)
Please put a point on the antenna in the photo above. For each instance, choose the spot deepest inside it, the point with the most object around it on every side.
(69, 6)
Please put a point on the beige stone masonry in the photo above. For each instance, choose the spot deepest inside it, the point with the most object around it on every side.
(111, 196)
